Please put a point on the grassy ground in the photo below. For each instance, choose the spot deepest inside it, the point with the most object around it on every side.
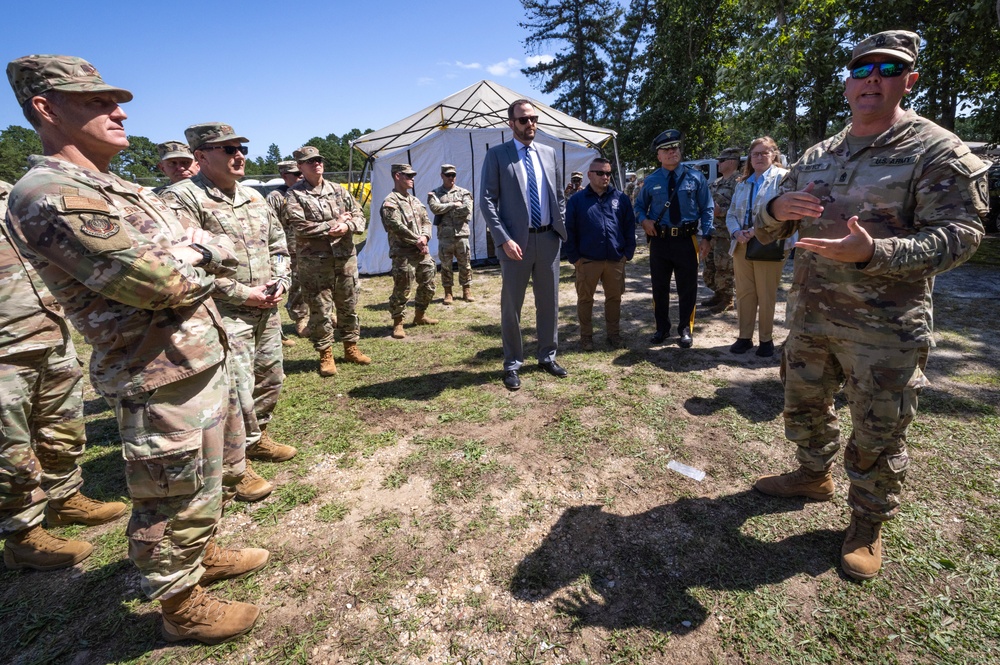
(433, 517)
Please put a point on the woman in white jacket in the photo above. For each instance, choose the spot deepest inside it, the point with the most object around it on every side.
(756, 281)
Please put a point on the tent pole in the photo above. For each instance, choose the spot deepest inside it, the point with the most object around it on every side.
(618, 164)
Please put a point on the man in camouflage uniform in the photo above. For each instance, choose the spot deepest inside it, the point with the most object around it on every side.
(136, 282)
(718, 275)
(880, 208)
(575, 184)
(176, 162)
(451, 206)
(42, 437)
(409, 230)
(298, 310)
(325, 218)
(248, 300)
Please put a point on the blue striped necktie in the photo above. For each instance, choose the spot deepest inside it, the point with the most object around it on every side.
(536, 204)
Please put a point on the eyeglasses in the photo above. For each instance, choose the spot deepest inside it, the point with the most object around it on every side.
(888, 70)
(760, 153)
(524, 120)
(314, 161)
(448, 175)
(606, 174)
(230, 149)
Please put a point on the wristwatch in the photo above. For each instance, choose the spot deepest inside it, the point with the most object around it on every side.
(206, 254)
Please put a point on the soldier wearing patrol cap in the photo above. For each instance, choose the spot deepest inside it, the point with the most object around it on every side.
(675, 209)
(451, 206)
(296, 305)
(176, 162)
(575, 184)
(325, 218)
(409, 229)
(136, 280)
(880, 208)
(718, 274)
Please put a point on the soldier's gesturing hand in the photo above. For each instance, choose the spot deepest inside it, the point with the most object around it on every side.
(856, 247)
(792, 206)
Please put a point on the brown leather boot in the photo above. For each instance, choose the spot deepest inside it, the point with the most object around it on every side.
(421, 318)
(197, 615)
(397, 328)
(861, 554)
(467, 294)
(38, 549)
(79, 509)
(448, 297)
(352, 354)
(221, 563)
(327, 366)
(252, 487)
(269, 450)
(801, 482)
(287, 341)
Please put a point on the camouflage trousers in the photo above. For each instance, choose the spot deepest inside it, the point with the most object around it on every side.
(255, 362)
(42, 435)
(457, 249)
(296, 304)
(328, 283)
(718, 273)
(406, 269)
(172, 441)
(882, 385)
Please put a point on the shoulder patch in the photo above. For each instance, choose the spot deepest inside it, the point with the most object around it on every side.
(72, 202)
(969, 165)
(99, 226)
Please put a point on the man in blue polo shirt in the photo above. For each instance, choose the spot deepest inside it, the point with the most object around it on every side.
(600, 238)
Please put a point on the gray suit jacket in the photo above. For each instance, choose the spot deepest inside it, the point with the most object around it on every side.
(503, 194)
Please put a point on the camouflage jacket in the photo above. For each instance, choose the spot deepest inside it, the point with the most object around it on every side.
(276, 199)
(455, 208)
(248, 221)
(310, 210)
(722, 193)
(30, 318)
(921, 195)
(405, 220)
(102, 247)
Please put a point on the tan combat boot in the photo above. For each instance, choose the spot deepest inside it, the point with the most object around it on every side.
(269, 450)
(302, 327)
(801, 482)
(252, 487)
(352, 354)
(421, 318)
(221, 563)
(448, 297)
(397, 328)
(79, 509)
(197, 615)
(287, 341)
(467, 294)
(861, 554)
(38, 549)
(327, 366)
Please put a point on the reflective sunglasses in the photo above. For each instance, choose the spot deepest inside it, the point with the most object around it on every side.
(606, 174)
(230, 149)
(314, 160)
(887, 70)
(524, 120)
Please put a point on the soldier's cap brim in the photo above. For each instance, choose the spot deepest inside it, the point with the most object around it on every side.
(223, 139)
(895, 54)
(177, 155)
(669, 144)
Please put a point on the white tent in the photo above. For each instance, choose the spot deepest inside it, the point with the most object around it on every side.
(459, 130)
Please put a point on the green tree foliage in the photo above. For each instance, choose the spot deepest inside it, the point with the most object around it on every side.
(137, 161)
(16, 143)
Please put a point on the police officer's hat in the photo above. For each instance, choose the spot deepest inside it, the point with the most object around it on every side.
(671, 138)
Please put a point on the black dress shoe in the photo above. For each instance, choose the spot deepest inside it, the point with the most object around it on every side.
(686, 339)
(553, 368)
(741, 345)
(510, 379)
(766, 349)
(660, 337)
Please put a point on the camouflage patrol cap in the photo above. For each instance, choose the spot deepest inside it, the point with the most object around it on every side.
(402, 168)
(305, 153)
(576, 175)
(288, 167)
(211, 132)
(173, 150)
(35, 74)
(670, 138)
(448, 169)
(729, 153)
(900, 44)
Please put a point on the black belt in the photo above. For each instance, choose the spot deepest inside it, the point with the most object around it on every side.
(539, 229)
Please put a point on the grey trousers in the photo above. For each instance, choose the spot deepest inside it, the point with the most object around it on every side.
(540, 264)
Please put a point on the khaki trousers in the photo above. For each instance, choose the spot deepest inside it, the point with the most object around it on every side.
(611, 275)
(756, 292)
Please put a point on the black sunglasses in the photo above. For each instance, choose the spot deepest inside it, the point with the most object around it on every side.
(887, 70)
(604, 173)
(314, 160)
(230, 149)
(525, 119)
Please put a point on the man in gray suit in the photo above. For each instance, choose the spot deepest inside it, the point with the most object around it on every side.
(525, 212)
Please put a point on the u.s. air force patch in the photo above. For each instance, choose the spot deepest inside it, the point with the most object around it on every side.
(95, 225)
(99, 227)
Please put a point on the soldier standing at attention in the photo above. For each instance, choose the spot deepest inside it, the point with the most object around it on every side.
(249, 299)
(718, 275)
(575, 184)
(176, 162)
(137, 284)
(325, 218)
(296, 306)
(409, 230)
(42, 437)
(451, 206)
(880, 208)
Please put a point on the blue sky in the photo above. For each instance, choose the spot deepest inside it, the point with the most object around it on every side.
(278, 72)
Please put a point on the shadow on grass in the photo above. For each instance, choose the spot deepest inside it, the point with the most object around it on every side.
(758, 401)
(427, 386)
(103, 432)
(638, 570)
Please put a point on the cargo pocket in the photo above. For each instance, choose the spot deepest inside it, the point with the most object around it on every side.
(164, 465)
(893, 399)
